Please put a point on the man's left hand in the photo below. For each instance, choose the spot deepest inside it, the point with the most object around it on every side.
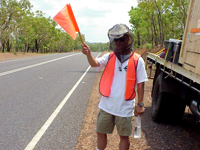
(138, 110)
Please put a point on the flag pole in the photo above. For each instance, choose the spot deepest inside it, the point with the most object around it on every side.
(80, 37)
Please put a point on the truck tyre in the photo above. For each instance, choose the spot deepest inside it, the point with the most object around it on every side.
(157, 96)
(166, 106)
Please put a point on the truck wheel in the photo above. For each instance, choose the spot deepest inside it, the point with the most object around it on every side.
(166, 106)
(158, 96)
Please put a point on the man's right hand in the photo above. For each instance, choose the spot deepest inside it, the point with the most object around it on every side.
(92, 61)
(86, 49)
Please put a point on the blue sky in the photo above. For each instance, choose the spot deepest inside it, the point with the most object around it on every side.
(94, 17)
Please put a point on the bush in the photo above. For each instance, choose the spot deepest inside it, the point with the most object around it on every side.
(148, 46)
(14, 52)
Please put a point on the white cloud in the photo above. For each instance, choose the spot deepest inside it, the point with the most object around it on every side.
(94, 17)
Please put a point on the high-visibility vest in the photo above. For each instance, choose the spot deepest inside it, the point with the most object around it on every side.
(108, 75)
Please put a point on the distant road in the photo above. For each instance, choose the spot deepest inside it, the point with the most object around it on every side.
(43, 101)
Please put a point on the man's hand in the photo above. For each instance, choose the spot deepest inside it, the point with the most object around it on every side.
(140, 91)
(92, 61)
(86, 49)
(138, 110)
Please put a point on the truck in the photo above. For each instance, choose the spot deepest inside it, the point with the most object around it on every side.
(176, 82)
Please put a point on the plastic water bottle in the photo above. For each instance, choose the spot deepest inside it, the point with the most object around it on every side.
(137, 132)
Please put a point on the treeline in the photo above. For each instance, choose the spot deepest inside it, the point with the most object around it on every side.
(24, 31)
(154, 21)
(99, 47)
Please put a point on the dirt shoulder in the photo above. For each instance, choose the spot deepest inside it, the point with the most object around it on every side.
(11, 56)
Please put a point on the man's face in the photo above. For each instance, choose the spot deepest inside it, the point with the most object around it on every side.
(121, 43)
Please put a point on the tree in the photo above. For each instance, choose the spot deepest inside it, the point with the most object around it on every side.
(11, 12)
(158, 19)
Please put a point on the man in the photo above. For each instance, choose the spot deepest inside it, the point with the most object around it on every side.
(124, 69)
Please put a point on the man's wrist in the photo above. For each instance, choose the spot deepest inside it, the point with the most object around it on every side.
(140, 104)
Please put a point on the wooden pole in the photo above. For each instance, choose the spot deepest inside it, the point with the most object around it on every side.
(81, 37)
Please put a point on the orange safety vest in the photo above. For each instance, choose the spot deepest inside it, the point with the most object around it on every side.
(108, 75)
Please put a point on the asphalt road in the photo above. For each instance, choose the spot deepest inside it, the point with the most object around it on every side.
(43, 101)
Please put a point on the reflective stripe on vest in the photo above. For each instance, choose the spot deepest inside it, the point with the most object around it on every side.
(108, 75)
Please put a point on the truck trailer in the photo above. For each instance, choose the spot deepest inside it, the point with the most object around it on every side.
(176, 82)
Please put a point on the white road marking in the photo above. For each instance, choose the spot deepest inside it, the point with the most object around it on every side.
(31, 66)
(46, 125)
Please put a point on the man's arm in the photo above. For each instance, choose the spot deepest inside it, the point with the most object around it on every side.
(92, 61)
(140, 91)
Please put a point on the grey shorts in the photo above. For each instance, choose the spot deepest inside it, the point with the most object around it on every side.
(106, 123)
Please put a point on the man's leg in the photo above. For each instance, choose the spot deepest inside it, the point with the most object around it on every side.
(105, 125)
(101, 141)
(124, 143)
(124, 129)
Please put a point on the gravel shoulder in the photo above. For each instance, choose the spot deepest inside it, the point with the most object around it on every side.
(11, 56)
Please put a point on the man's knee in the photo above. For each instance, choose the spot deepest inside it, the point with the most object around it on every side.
(101, 141)
(101, 134)
(124, 137)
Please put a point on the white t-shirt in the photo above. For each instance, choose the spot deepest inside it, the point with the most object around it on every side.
(116, 104)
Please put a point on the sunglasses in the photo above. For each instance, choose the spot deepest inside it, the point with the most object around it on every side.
(120, 39)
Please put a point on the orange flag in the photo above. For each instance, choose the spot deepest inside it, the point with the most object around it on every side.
(66, 19)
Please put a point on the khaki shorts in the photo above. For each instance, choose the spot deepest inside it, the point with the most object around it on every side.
(106, 123)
